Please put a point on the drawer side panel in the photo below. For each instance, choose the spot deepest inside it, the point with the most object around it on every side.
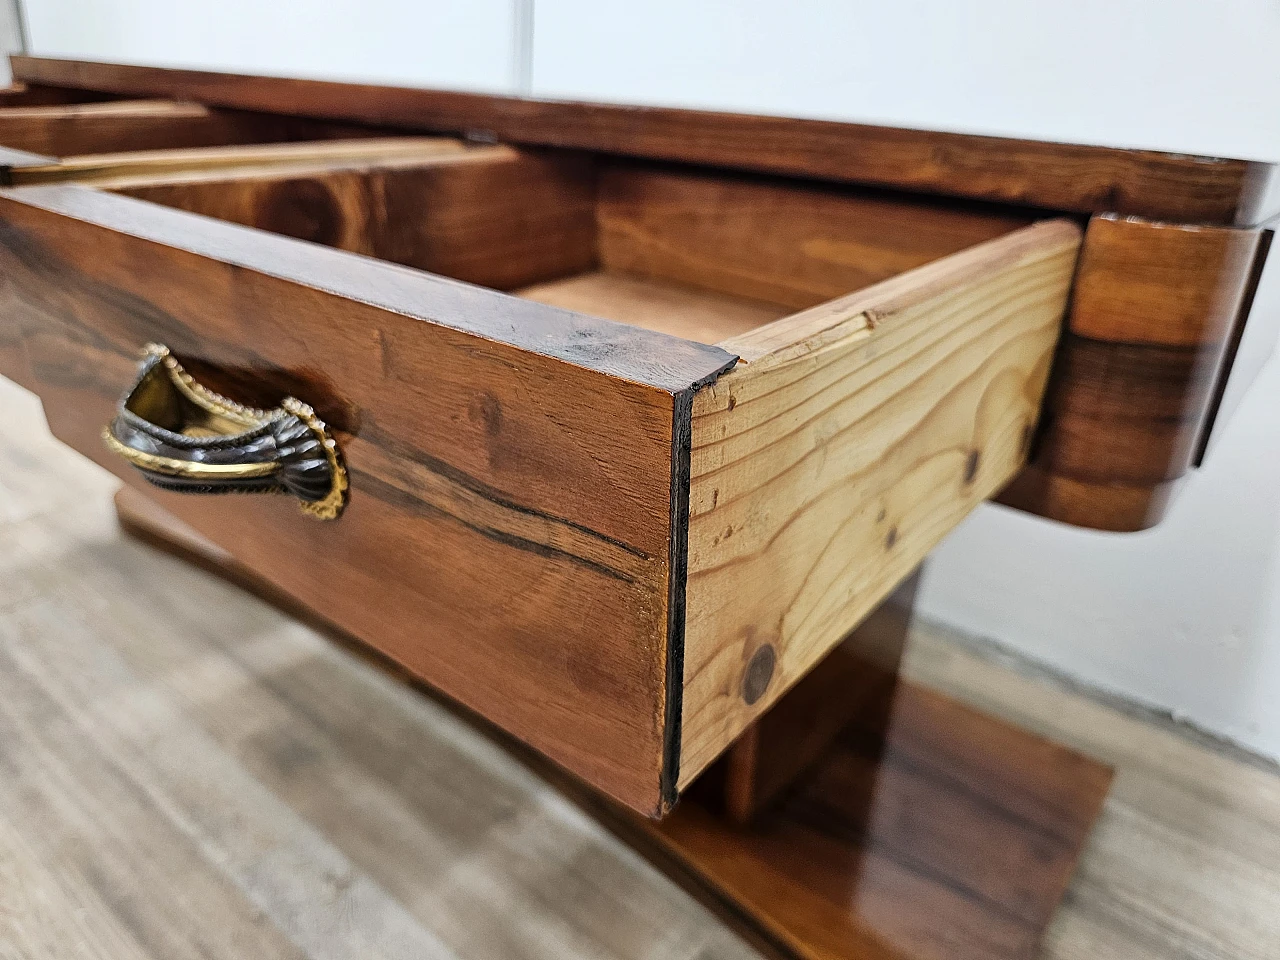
(857, 435)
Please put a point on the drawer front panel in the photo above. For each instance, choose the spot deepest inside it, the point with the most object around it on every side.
(508, 533)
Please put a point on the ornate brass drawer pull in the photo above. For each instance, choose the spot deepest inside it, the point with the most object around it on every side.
(185, 437)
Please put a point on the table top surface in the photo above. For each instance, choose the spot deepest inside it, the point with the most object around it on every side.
(1053, 176)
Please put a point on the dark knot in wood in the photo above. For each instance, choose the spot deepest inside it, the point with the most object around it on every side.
(759, 672)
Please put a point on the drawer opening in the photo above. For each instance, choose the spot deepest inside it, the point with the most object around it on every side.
(74, 129)
(706, 256)
(711, 256)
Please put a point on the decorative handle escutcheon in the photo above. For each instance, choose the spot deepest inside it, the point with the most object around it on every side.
(185, 437)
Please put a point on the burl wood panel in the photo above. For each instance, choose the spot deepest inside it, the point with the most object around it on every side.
(1053, 176)
(856, 435)
(951, 836)
(514, 467)
(1155, 311)
(794, 244)
(493, 216)
(69, 129)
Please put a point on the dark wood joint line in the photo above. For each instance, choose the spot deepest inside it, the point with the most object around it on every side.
(1233, 345)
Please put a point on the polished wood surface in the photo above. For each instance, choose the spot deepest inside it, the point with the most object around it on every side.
(1052, 176)
(967, 337)
(488, 215)
(70, 129)
(916, 828)
(855, 437)
(784, 242)
(1155, 310)
(222, 783)
(141, 752)
(509, 533)
(947, 835)
(654, 222)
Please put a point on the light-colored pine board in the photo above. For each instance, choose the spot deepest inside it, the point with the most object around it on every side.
(701, 315)
(856, 436)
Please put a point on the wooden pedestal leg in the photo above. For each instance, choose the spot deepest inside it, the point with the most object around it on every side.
(862, 818)
(853, 686)
(866, 817)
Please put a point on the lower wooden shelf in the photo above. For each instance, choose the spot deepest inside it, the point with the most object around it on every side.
(926, 830)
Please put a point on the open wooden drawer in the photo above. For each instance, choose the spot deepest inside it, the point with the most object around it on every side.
(619, 533)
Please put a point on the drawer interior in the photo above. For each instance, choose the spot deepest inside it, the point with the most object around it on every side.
(706, 256)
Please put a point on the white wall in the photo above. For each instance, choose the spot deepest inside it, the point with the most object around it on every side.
(1185, 75)
(466, 45)
(10, 35)
(1184, 617)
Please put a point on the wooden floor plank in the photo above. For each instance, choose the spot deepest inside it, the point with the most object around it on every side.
(87, 823)
(281, 866)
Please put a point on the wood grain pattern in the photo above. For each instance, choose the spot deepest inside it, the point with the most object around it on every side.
(1052, 176)
(494, 216)
(153, 165)
(682, 311)
(953, 837)
(1154, 312)
(70, 129)
(376, 792)
(853, 684)
(789, 243)
(924, 830)
(855, 436)
(509, 530)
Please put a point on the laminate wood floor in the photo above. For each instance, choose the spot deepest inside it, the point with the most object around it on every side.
(186, 772)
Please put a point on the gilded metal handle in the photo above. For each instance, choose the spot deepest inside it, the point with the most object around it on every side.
(185, 437)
